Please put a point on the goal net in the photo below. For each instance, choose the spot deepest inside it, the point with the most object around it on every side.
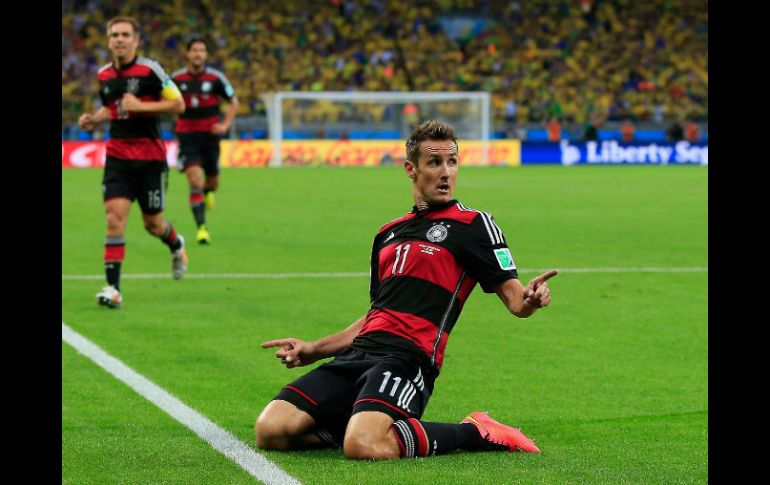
(373, 115)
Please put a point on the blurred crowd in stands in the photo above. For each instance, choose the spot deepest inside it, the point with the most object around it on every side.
(581, 62)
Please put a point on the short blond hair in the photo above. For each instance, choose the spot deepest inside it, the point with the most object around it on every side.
(123, 19)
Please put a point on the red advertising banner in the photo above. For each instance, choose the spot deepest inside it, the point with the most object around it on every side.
(257, 153)
(78, 154)
(91, 154)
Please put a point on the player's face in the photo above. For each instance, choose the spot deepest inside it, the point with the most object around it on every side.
(123, 41)
(197, 54)
(435, 174)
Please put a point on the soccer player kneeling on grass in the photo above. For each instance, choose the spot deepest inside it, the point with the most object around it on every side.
(370, 398)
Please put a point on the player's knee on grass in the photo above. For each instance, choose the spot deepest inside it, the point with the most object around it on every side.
(281, 425)
(368, 437)
(367, 447)
(270, 435)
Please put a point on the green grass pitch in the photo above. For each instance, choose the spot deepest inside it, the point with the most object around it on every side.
(611, 380)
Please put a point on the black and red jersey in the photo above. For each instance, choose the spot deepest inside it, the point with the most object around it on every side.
(202, 95)
(133, 136)
(423, 268)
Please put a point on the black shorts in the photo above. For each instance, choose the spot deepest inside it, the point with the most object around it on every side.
(144, 181)
(358, 381)
(199, 149)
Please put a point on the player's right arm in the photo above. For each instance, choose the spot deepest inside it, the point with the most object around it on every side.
(295, 352)
(88, 121)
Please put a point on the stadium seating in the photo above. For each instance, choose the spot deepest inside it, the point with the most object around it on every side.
(646, 61)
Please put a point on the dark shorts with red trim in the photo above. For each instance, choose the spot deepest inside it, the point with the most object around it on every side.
(143, 180)
(199, 149)
(358, 381)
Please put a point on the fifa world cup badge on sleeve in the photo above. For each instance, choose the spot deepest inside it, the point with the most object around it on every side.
(504, 258)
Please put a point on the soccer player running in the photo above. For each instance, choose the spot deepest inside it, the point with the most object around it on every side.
(134, 91)
(199, 129)
(370, 398)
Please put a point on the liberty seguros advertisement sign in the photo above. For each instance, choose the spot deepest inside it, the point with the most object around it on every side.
(611, 152)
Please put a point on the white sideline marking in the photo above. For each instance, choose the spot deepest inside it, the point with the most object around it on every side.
(226, 276)
(260, 276)
(255, 464)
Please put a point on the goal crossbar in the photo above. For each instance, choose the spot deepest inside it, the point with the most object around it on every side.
(274, 105)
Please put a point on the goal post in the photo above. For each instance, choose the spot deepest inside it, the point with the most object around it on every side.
(383, 112)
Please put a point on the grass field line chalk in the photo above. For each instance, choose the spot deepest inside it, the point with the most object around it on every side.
(223, 441)
(258, 276)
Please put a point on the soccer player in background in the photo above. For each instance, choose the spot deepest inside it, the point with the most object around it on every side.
(370, 398)
(134, 90)
(199, 128)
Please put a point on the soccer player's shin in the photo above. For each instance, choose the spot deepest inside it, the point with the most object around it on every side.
(175, 242)
(114, 252)
(170, 238)
(420, 438)
(197, 206)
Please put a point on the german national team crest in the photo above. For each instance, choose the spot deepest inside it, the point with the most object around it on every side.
(133, 85)
(206, 86)
(437, 233)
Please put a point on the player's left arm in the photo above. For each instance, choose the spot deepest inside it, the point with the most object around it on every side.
(227, 91)
(523, 301)
(171, 102)
(489, 261)
(221, 128)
